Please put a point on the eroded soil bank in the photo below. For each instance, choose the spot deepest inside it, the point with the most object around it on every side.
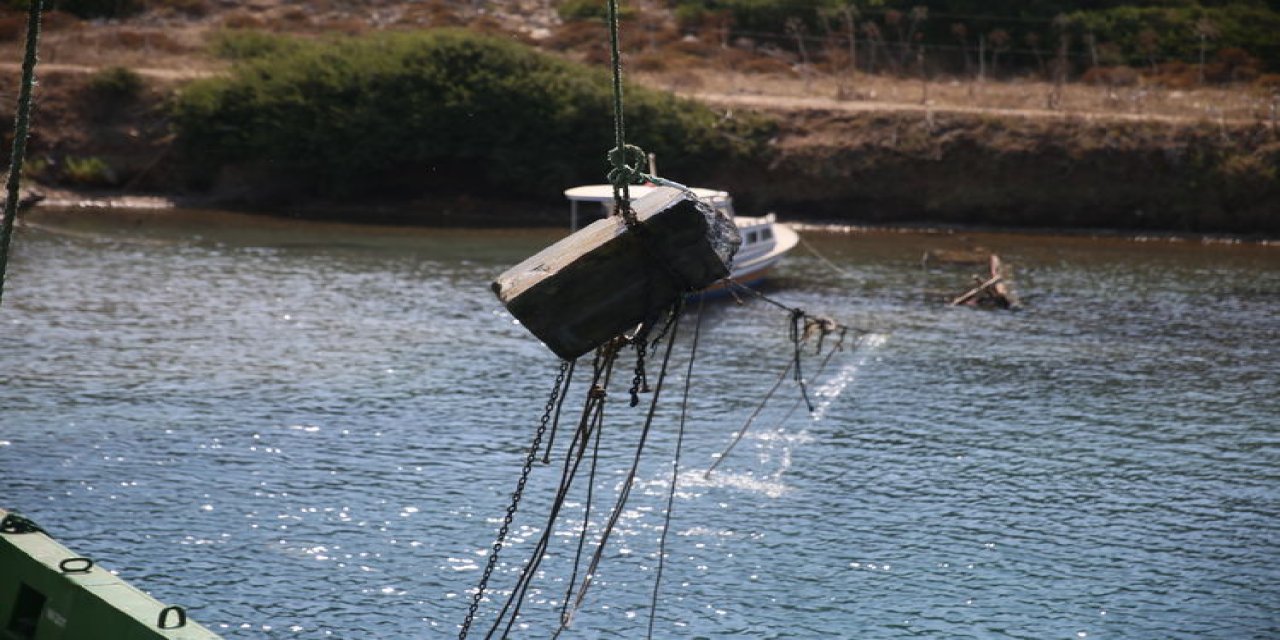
(1029, 172)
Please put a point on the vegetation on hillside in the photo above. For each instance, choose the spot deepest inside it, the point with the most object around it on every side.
(964, 35)
(443, 110)
(450, 117)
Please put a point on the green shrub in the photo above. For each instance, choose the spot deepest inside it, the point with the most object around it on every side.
(247, 44)
(440, 110)
(36, 168)
(116, 84)
(91, 172)
(1245, 26)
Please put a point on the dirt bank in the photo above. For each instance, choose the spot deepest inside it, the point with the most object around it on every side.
(830, 163)
(962, 168)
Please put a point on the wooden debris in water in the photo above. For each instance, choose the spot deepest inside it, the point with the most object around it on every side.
(992, 292)
(607, 278)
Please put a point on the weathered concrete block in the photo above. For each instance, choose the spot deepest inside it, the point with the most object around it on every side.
(605, 279)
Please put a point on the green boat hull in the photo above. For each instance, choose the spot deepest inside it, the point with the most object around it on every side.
(49, 593)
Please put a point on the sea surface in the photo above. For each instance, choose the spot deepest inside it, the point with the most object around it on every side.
(304, 430)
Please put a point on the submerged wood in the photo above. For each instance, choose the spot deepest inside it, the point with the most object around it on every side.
(973, 293)
(606, 278)
(995, 291)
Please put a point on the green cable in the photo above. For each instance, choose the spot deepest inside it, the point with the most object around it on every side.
(20, 130)
(622, 174)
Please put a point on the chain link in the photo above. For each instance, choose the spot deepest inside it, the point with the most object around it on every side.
(640, 381)
(498, 543)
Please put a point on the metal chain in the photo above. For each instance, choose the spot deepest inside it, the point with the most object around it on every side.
(498, 543)
(640, 381)
(591, 417)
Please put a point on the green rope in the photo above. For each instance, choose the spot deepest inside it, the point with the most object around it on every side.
(624, 173)
(20, 130)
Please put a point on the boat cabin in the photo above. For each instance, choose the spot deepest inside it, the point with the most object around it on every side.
(764, 240)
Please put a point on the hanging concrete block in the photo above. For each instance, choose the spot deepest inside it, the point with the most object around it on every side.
(605, 279)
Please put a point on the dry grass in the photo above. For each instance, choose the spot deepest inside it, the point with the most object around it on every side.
(123, 46)
(1232, 103)
(173, 39)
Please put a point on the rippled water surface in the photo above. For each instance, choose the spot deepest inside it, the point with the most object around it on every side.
(299, 430)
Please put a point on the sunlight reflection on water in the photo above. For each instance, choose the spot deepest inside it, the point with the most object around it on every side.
(308, 432)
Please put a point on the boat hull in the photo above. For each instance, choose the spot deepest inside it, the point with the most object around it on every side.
(753, 271)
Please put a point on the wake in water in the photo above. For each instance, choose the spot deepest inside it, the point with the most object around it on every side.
(830, 391)
(776, 444)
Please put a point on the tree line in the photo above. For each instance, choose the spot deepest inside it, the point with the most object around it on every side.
(1229, 41)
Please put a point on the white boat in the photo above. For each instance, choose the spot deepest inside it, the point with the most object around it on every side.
(764, 239)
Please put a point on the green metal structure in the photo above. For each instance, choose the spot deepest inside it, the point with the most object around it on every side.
(49, 593)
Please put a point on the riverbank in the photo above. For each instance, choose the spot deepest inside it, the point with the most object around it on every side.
(846, 162)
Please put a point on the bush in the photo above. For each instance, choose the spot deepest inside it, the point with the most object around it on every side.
(116, 84)
(442, 110)
(36, 168)
(90, 172)
(247, 44)
(1240, 25)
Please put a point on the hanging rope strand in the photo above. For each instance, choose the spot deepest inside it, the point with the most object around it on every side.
(821, 368)
(625, 492)
(801, 326)
(754, 414)
(797, 340)
(621, 175)
(675, 469)
(555, 421)
(586, 520)
(21, 129)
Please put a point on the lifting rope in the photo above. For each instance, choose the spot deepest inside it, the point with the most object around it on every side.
(623, 174)
(21, 129)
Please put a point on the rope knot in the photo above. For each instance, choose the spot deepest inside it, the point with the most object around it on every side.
(628, 162)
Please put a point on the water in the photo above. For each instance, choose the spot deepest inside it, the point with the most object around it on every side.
(310, 431)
